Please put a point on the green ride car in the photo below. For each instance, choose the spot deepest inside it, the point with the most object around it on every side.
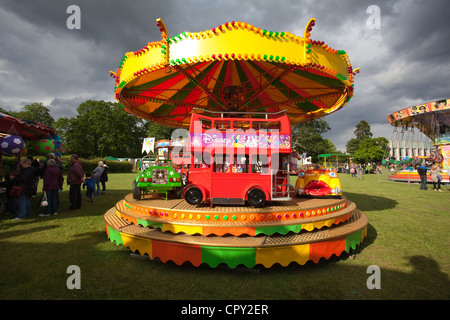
(157, 176)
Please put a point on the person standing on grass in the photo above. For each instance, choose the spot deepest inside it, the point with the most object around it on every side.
(97, 173)
(353, 171)
(104, 177)
(53, 182)
(436, 177)
(75, 178)
(10, 207)
(422, 171)
(25, 179)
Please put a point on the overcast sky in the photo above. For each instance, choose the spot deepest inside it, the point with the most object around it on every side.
(404, 62)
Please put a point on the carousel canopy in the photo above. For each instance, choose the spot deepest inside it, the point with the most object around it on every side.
(24, 128)
(235, 67)
(431, 118)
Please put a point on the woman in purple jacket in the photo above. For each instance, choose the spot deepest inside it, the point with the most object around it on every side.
(53, 182)
(75, 178)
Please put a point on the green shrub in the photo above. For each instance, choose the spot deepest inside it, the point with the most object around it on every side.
(113, 166)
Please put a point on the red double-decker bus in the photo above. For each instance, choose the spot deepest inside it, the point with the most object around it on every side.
(234, 160)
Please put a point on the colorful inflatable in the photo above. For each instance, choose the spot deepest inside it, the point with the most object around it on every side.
(44, 146)
(12, 144)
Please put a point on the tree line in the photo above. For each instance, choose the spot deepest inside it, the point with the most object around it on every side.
(103, 128)
(307, 138)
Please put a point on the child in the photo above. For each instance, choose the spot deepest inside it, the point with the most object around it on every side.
(89, 182)
(10, 207)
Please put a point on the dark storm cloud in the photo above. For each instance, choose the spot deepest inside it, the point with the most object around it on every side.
(403, 63)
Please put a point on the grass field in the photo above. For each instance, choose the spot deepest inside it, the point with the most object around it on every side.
(407, 239)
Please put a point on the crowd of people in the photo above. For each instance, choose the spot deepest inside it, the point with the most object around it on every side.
(427, 168)
(435, 174)
(22, 184)
(363, 168)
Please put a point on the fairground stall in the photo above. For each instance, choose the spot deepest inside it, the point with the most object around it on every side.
(15, 131)
(433, 120)
(236, 89)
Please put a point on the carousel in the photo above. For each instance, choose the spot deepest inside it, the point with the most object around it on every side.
(431, 119)
(235, 89)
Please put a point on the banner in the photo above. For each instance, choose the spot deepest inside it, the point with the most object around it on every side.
(148, 145)
(217, 139)
(446, 155)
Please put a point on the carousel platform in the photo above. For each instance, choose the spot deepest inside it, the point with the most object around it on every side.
(413, 177)
(297, 231)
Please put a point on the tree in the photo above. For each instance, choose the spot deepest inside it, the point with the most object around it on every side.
(364, 147)
(103, 128)
(369, 151)
(383, 143)
(61, 126)
(307, 138)
(361, 132)
(159, 132)
(352, 146)
(35, 112)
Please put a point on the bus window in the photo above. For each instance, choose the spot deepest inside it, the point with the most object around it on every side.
(222, 125)
(231, 164)
(274, 125)
(227, 164)
(244, 125)
(264, 125)
(206, 123)
(260, 163)
(219, 163)
(201, 161)
(241, 163)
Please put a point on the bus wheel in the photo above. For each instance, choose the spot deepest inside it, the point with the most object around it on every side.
(256, 198)
(193, 195)
(136, 191)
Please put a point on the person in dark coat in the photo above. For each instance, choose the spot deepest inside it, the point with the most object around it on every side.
(10, 207)
(104, 177)
(53, 182)
(422, 171)
(25, 180)
(75, 178)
